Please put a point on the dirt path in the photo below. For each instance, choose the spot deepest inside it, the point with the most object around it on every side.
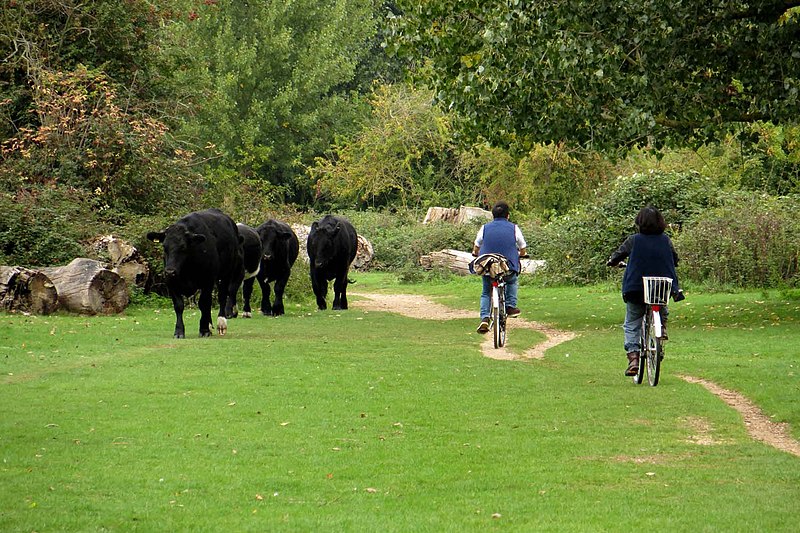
(419, 307)
(759, 426)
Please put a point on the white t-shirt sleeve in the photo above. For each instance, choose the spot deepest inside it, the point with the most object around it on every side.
(479, 238)
(520, 239)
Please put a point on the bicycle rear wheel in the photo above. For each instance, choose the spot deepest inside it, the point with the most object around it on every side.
(654, 351)
(498, 317)
(643, 342)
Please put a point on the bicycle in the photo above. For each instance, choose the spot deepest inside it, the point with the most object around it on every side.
(496, 267)
(656, 295)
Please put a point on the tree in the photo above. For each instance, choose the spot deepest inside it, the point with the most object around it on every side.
(276, 78)
(606, 74)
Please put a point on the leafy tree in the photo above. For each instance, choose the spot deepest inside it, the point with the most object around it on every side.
(403, 154)
(606, 74)
(275, 78)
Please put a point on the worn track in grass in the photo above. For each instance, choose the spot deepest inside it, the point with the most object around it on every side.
(758, 425)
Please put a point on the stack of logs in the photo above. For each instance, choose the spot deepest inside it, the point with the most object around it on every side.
(84, 286)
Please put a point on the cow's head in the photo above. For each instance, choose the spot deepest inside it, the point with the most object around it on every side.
(322, 244)
(273, 238)
(177, 242)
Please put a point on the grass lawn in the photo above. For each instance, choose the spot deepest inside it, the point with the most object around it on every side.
(368, 421)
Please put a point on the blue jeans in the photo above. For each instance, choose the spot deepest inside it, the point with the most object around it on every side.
(512, 287)
(632, 327)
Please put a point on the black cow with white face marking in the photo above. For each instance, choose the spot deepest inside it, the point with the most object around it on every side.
(332, 245)
(202, 250)
(270, 252)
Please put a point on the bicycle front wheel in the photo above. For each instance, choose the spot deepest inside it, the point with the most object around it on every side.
(654, 351)
(498, 318)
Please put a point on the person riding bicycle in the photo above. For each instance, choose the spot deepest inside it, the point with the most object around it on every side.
(650, 253)
(503, 237)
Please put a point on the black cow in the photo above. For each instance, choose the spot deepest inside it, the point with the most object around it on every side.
(201, 250)
(276, 246)
(332, 244)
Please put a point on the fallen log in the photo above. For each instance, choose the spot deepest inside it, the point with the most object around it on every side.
(27, 291)
(86, 287)
(124, 259)
(456, 216)
(458, 262)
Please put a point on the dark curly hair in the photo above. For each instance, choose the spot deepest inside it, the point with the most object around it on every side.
(500, 210)
(650, 221)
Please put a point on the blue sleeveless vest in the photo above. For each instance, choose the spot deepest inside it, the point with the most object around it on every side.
(499, 238)
(651, 256)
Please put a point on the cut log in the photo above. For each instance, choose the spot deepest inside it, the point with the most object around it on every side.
(458, 262)
(456, 216)
(85, 286)
(27, 291)
(123, 258)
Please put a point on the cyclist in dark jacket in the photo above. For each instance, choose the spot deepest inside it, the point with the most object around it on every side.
(650, 253)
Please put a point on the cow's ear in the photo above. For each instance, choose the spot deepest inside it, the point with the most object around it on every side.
(315, 226)
(197, 238)
(156, 236)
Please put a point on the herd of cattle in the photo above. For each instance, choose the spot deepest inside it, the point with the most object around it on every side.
(207, 248)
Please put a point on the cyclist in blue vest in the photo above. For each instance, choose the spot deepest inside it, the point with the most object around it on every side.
(502, 237)
(650, 253)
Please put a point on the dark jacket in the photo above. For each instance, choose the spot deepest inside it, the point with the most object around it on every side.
(649, 255)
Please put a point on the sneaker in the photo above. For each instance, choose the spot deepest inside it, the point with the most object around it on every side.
(484, 326)
(512, 312)
(664, 336)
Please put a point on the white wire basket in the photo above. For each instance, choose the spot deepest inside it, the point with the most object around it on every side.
(657, 290)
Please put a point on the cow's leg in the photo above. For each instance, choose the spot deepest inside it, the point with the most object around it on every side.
(178, 304)
(266, 307)
(224, 289)
(205, 312)
(247, 292)
(340, 292)
(320, 286)
(280, 288)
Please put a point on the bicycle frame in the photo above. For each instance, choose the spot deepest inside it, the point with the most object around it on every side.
(499, 304)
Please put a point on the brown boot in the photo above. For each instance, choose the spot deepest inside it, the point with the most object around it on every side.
(633, 364)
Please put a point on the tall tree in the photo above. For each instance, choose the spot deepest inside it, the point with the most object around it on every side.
(276, 76)
(605, 74)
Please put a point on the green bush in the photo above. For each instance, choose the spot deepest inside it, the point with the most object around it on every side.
(577, 245)
(44, 226)
(751, 240)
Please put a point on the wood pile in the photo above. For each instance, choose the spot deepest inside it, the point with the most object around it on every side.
(456, 216)
(123, 258)
(458, 262)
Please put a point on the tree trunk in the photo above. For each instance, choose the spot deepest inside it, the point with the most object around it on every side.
(85, 286)
(27, 291)
(458, 262)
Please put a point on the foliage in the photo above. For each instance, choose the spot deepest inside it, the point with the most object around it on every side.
(44, 226)
(547, 180)
(751, 240)
(606, 74)
(577, 245)
(402, 155)
(273, 80)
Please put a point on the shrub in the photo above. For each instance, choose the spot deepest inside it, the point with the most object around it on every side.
(577, 245)
(751, 240)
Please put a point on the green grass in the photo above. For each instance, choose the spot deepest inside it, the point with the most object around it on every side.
(353, 421)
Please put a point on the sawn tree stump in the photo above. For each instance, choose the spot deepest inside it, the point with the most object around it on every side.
(27, 291)
(85, 286)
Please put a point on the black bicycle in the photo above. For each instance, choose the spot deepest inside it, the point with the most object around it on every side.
(498, 314)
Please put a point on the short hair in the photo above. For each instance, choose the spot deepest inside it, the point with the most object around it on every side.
(650, 221)
(500, 210)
